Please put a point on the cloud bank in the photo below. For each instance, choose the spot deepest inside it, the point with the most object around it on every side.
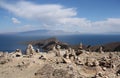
(59, 17)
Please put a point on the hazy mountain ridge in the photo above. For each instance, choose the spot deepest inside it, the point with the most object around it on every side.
(46, 32)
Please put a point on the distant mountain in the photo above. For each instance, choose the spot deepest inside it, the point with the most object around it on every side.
(45, 32)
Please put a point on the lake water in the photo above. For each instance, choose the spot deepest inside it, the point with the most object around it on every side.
(11, 42)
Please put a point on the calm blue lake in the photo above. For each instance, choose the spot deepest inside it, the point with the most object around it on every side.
(11, 42)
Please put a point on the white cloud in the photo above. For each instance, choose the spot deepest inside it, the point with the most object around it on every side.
(41, 12)
(15, 21)
(108, 25)
(54, 16)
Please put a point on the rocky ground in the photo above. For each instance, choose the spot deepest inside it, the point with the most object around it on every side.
(59, 63)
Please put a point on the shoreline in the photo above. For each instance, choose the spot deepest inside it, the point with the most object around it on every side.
(11, 43)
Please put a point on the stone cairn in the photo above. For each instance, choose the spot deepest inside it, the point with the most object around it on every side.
(81, 46)
(30, 50)
(101, 50)
(18, 53)
(58, 50)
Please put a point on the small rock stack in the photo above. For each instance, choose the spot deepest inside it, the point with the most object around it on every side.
(30, 50)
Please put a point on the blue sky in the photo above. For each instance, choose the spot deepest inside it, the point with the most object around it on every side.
(84, 16)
